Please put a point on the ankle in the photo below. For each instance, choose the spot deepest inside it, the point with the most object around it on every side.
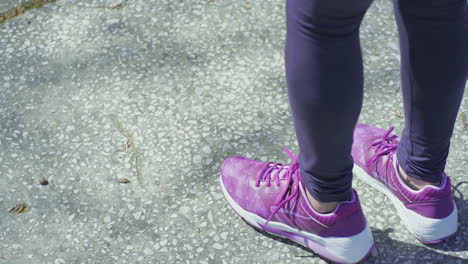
(321, 207)
(413, 183)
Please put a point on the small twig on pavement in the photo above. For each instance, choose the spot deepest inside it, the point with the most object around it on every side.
(398, 113)
(115, 6)
(130, 145)
(463, 120)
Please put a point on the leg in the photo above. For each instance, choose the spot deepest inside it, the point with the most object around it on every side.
(434, 68)
(324, 78)
(324, 75)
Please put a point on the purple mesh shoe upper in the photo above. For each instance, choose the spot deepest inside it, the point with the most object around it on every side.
(374, 151)
(276, 192)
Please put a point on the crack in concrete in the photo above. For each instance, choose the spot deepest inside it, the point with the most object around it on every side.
(22, 9)
(130, 145)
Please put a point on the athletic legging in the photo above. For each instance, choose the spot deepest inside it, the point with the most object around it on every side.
(324, 74)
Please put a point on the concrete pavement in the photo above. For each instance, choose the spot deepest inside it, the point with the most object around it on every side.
(160, 92)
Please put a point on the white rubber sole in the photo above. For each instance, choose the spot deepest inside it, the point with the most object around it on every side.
(339, 249)
(427, 230)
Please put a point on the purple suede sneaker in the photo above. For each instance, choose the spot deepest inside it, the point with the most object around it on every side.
(430, 213)
(272, 197)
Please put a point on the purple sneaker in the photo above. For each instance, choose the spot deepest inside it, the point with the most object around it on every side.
(430, 213)
(272, 197)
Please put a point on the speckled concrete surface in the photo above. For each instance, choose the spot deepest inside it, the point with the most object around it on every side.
(8, 4)
(160, 92)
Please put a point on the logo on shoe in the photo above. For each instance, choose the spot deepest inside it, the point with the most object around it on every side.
(291, 213)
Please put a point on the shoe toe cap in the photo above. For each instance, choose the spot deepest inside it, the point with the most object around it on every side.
(238, 177)
(237, 171)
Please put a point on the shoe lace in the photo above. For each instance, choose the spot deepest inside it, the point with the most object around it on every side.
(291, 175)
(384, 146)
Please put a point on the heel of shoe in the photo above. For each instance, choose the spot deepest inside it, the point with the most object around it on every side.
(346, 250)
(426, 230)
(351, 249)
(430, 230)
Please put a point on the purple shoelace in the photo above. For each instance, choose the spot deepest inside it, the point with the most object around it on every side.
(291, 175)
(384, 146)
